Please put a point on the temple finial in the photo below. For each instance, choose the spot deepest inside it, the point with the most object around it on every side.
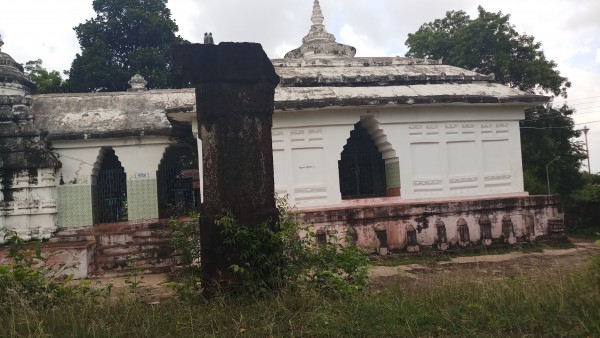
(1, 42)
(318, 42)
(317, 15)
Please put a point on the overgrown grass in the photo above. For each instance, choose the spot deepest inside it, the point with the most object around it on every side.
(557, 303)
(591, 233)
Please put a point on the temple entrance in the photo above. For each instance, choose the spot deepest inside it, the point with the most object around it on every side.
(109, 189)
(361, 167)
(178, 181)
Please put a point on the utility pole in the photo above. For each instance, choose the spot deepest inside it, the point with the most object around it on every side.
(587, 150)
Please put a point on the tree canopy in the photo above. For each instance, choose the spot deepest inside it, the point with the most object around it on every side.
(46, 82)
(126, 37)
(489, 44)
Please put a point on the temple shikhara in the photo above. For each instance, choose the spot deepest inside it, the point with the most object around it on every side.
(399, 153)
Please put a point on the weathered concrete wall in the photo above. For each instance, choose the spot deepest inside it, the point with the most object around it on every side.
(108, 115)
(28, 204)
(76, 257)
(529, 216)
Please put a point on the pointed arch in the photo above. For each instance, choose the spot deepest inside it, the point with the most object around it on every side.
(109, 188)
(368, 165)
(178, 180)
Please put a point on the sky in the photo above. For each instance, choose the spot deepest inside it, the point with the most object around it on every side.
(569, 32)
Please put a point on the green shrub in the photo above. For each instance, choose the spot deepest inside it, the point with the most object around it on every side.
(268, 256)
(29, 280)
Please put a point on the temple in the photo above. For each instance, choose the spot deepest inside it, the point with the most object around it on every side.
(398, 153)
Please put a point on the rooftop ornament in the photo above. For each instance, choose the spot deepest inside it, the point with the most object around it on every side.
(137, 83)
(1, 42)
(208, 39)
(319, 43)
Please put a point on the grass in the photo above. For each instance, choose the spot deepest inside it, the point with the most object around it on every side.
(557, 303)
(591, 233)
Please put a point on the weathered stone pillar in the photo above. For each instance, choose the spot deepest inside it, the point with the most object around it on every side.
(235, 87)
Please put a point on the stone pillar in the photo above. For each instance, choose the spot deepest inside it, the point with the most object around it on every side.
(235, 87)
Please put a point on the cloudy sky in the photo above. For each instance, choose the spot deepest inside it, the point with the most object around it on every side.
(569, 31)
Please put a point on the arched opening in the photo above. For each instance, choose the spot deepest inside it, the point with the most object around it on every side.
(361, 167)
(178, 181)
(109, 188)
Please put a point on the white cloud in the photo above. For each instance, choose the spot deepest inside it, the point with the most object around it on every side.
(283, 48)
(598, 55)
(364, 46)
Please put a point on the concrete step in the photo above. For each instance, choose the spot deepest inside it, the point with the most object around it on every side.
(125, 248)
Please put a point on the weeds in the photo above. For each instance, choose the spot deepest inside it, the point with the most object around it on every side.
(556, 303)
(272, 256)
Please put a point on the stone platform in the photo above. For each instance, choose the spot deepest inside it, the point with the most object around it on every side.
(383, 224)
(379, 224)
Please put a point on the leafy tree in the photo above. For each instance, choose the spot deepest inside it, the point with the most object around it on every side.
(546, 133)
(46, 82)
(126, 37)
(489, 44)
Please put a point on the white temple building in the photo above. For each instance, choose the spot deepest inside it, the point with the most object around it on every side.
(398, 152)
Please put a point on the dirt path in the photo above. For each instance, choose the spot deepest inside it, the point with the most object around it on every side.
(153, 287)
(500, 266)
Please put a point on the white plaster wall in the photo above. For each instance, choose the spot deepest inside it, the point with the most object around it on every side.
(444, 151)
(138, 156)
(447, 152)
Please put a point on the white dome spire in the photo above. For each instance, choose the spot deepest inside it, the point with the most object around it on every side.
(317, 15)
(318, 42)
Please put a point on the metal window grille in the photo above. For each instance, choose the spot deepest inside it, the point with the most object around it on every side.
(361, 167)
(178, 181)
(111, 196)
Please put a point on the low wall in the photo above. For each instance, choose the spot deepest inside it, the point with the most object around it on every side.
(71, 258)
(402, 224)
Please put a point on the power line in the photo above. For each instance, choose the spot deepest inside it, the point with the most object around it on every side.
(575, 124)
(549, 118)
(72, 158)
(580, 99)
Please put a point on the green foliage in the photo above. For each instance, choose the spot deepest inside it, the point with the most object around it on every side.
(467, 302)
(46, 82)
(185, 239)
(489, 44)
(334, 267)
(31, 281)
(590, 192)
(257, 252)
(271, 256)
(545, 134)
(126, 37)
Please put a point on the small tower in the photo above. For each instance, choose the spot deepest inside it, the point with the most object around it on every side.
(27, 168)
(319, 43)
